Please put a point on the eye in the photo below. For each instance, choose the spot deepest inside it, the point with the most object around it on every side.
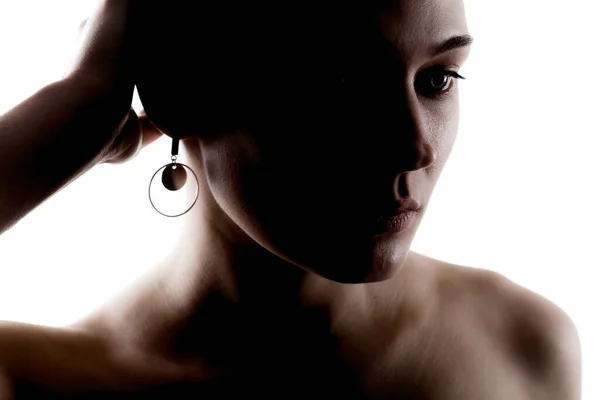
(436, 82)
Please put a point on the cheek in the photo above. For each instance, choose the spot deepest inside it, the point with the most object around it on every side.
(254, 187)
(288, 181)
(254, 193)
(228, 166)
(449, 136)
(443, 126)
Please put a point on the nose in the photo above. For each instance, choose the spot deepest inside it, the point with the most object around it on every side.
(403, 136)
(419, 153)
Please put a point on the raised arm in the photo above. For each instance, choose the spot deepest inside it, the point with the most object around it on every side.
(49, 139)
(73, 124)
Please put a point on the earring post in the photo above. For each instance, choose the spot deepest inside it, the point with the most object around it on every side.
(175, 147)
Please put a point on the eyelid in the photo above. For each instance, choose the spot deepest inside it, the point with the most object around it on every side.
(448, 69)
(442, 69)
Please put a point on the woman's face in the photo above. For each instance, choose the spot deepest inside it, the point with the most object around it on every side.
(335, 115)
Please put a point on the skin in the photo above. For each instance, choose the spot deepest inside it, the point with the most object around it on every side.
(278, 286)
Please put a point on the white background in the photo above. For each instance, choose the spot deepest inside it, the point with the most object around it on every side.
(520, 194)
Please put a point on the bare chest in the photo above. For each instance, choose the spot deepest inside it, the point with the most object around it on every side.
(444, 362)
(456, 364)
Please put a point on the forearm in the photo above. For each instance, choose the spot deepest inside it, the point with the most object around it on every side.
(48, 140)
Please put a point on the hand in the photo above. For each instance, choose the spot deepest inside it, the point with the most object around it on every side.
(137, 133)
(104, 62)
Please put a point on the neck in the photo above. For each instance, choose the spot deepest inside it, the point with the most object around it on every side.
(243, 274)
(215, 290)
(210, 294)
(214, 255)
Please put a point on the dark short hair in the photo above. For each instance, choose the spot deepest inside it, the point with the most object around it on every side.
(228, 61)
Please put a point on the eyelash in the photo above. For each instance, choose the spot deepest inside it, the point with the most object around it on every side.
(444, 72)
(436, 70)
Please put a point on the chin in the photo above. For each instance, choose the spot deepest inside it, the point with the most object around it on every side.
(354, 277)
(382, 266)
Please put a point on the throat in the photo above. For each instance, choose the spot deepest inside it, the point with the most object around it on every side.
(230, 335)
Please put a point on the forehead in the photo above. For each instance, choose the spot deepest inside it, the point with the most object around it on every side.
(419, 25)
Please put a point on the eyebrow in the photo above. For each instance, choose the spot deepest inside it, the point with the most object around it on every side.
(454, 42)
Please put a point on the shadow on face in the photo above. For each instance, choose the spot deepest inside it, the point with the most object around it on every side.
(314, 118)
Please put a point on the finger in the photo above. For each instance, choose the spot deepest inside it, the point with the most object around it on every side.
(150, 132)
(81, 28)
(137, 133)
(128, 142)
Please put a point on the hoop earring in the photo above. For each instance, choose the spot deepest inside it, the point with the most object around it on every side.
(173, 178)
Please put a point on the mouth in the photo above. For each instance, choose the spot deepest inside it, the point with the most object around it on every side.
(399, 218)
(397, 223)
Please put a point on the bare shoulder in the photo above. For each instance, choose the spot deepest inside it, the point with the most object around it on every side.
(74, 360)
(19, 350)
(536, 335)
(47, 356)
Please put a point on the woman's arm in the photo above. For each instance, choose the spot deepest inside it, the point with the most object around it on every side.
(71, 125)
(51, 138)
(6, 386)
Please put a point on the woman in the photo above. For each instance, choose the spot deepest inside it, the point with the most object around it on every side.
(317, 132)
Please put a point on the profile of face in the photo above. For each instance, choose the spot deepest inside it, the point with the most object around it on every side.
(314, 120)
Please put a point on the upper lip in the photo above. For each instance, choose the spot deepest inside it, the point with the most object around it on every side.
(404, 205)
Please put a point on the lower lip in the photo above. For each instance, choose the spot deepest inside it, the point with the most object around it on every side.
(395, 223)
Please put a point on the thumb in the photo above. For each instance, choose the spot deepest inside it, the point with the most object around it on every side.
(149, 131)
(137, 133)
